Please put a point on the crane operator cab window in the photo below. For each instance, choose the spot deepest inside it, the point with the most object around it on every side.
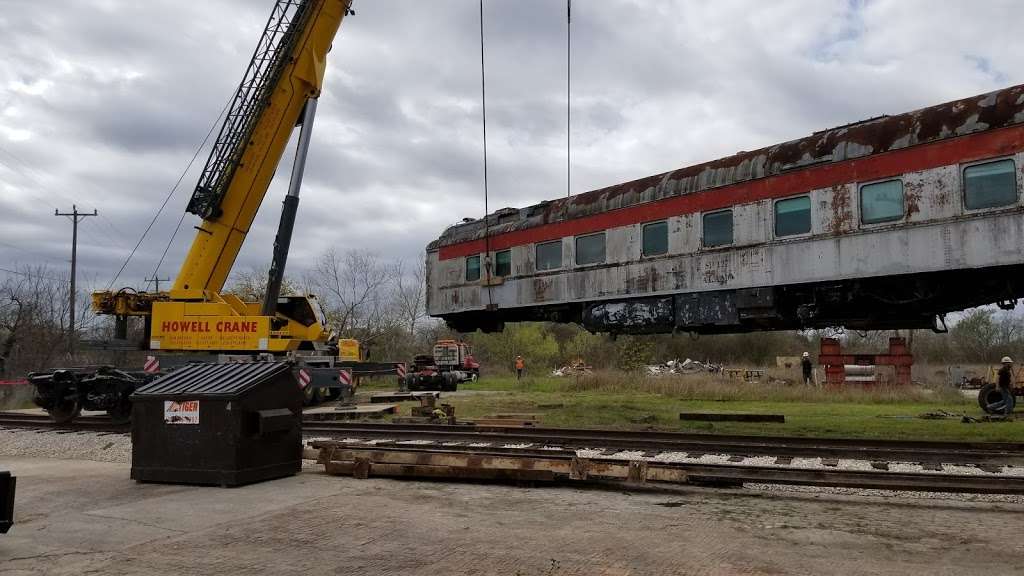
(549, 255)
(503, 263)
(793, 216)
(881, 202)
(990, 185)
(473, 268)
(655, 239)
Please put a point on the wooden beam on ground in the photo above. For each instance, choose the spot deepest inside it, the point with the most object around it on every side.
(731, 417)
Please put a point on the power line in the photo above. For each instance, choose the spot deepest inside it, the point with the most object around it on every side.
(34, 176)
(31, 275)
(156, 280)
(30, 174)
(31, 253)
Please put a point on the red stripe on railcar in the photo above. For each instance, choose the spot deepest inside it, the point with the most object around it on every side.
(968, 148)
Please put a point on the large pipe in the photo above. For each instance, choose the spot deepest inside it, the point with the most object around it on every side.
(290, 206)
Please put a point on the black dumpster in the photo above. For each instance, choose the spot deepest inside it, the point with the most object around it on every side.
(7, 483)
(223, 424)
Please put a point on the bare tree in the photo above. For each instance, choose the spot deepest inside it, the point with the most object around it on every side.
(35, 318)
(251, 285)
(354, 287)
(409, 294)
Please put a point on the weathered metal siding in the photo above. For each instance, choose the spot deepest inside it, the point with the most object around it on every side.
(932, 195)
(978, 240)
(936, 233)
(875, 136)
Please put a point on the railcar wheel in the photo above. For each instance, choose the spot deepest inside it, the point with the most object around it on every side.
(121, 414)
(64, 411)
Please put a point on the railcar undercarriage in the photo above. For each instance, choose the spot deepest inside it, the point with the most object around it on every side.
(912, 301)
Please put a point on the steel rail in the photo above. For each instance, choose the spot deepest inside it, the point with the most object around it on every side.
(80, 424)
(991, 453)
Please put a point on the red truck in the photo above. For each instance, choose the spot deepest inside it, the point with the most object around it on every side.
(451, 363)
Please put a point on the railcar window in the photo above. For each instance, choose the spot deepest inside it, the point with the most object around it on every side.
(655, 239)
(473, 268)
(989, 185)
(718, 228)
(503, 263)
(881, 202)
(590, 249)
(549, 255)
(793, 216)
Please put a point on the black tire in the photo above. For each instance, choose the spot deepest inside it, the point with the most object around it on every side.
(996, 400)
(65, 411)
(449, 382)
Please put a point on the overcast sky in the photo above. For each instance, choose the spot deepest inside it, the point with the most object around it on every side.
(104, 102)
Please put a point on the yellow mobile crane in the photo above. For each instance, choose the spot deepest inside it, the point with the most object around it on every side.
(278, 92)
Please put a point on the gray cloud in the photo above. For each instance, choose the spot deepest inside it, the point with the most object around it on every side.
(103, 103)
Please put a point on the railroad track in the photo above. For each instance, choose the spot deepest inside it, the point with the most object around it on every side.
(558, 454)
(987, 456)
(92, 424)
(526, 464)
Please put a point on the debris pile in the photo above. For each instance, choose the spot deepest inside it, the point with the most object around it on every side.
(685, 367)
(575, 368)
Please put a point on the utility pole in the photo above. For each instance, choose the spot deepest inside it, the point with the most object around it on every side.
(156, 280)
(76, 217)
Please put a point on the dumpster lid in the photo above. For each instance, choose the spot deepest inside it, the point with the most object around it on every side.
(210, 379)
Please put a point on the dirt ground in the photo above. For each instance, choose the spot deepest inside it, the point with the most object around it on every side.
(80, 517)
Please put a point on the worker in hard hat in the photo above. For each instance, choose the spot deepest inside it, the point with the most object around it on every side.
(808, 368)
(1006, 373)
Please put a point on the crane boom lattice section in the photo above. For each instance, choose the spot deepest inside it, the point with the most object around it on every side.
(283, 29)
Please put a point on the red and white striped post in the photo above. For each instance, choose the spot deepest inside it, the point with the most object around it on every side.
(304, 378)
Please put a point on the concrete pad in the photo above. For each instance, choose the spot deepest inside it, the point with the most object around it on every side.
(77, 517)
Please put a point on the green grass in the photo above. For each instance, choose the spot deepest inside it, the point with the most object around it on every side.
(625, 401)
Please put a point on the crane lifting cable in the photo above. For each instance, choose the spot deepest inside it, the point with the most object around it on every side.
(568, 98)
(487, 218)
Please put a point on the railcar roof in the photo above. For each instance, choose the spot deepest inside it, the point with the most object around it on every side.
(989, 111)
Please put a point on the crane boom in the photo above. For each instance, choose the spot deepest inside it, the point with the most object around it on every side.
(280, 87)
(286, 70)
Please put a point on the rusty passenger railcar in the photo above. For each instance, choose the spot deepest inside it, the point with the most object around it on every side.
(887, 223)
